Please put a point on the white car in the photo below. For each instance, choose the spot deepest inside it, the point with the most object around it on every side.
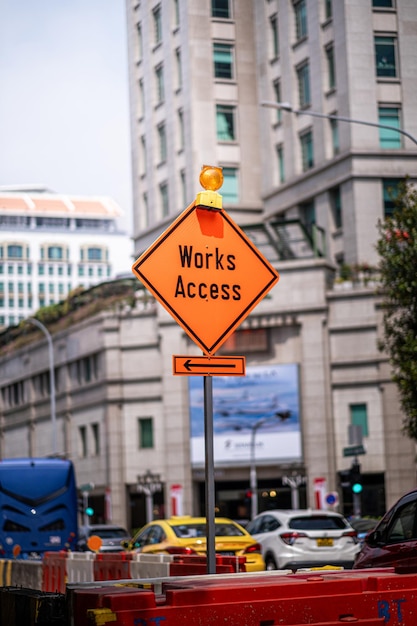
(304, 538)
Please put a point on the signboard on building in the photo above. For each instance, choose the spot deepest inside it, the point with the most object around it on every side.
(266, 398)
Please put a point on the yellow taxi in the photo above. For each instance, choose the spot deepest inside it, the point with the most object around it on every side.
(187, 535)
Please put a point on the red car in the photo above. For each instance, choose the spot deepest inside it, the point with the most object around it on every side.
(393, 542)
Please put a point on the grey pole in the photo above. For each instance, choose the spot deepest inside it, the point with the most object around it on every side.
(47, 334)
(286, 106)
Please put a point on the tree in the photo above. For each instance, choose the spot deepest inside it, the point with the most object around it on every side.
(397, 247)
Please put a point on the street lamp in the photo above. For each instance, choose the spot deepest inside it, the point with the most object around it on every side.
(281, 415)
(35, 322)
(286, 106)
(149, 484)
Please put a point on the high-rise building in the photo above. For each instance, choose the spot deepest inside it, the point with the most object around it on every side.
(307, 180)
(52, 243)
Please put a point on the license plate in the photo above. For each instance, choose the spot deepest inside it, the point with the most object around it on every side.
(225, 553)
(323, 542)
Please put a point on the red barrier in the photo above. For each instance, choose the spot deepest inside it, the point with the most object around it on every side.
(112, 566)
(368, 598)
(54, 572)
(192, 564)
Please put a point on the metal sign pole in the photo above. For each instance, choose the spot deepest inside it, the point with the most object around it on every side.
(210, 498)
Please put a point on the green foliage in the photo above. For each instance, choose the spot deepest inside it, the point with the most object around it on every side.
(397, 246)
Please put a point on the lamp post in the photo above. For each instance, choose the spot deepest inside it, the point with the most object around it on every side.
(35, 322)
(281, 415)
(286, 106)
(149, 484)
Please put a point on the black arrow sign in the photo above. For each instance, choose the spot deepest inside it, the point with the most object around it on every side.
(189, 365)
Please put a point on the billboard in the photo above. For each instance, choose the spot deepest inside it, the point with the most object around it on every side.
(255, 417)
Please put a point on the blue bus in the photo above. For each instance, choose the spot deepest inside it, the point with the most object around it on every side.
(38, 507)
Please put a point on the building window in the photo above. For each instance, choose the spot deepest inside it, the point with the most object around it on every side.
(390, 187)
(307, 150)
(223, 60)
(389, 116)
(225, 122)
(143, 152)
(277, 92)
(328, 9)
(55, 253)
(307, 212)
(160, 88)
(157, 22)
(230, 190)
(300, 11)
(162, 143)
(95, 431)
(334, 130)
(220, 8)
(10, 269)
(82, 442)
(281, 168)
(386, 56)
(145, 432)
(359, 417)
(163, 192)
(15, 252)
(336, 206)
(331, 73)
(95, 254)
(179, 70)
(273, 21)
(181, 136)
(383, 4)
(139, 42)
(183, 188)
(141, 99)
(176, 13)
(303, 78)
(146, 209)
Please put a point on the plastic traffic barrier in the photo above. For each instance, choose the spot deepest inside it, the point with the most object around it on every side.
(368, 598)
(80, 567)
(54, 571)
(193, 564)
(145, 565)
(114, 566)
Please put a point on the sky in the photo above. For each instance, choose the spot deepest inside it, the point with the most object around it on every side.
(64, 110)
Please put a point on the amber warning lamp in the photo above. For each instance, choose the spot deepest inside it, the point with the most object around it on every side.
(211, 178)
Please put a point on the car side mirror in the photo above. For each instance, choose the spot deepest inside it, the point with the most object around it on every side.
(374, 538)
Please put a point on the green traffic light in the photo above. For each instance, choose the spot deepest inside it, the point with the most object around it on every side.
(357, 488)
(89, 511)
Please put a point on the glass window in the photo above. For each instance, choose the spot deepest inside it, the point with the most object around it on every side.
(160, 88)
(82, 441)
(390, 187)
(181, 136)
(307, 211)
(385, 56)
(55, 252)
(162, 142)
(402, 526)
(331, 74)
(95, 431)
(176, 13)
(15, 252)
(307, 150)
(383, 3)
(273, 21)
(300, 11)
(143, 151)
(178, 65)
(303, 78)
(141, 99)
(328, 9)
(223, 60)
(220, 8)
(277, 91)
(334, 129)
(389, 116)
(225, 122)
(230, 185)
(146, 432)
(41, 269)
(336, 206)
(139, 42)
(163, 191)
(10, 269)
(157, 24)
(41, 287)
(281, 168)
(183, 188)
(95, 254)
(359, 417)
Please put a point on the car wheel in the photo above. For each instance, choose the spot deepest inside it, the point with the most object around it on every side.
(270, 563)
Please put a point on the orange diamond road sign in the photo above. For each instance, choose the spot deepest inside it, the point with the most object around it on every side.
(206, 273)
(208, 365)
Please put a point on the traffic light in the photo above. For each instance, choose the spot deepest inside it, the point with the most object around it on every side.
(355, 478)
